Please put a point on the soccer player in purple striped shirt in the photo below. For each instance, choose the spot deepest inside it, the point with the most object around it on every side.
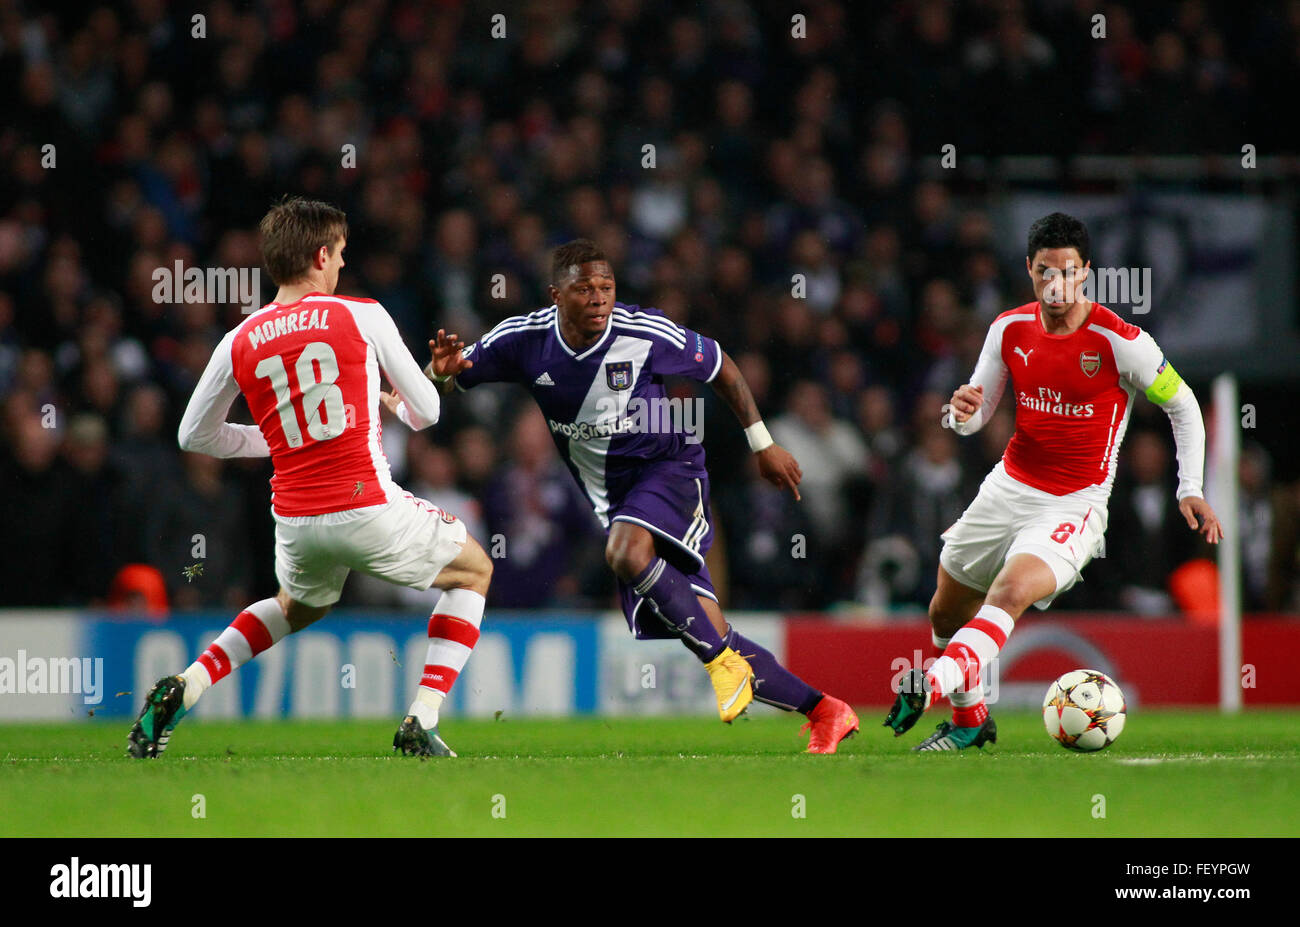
(596, 368)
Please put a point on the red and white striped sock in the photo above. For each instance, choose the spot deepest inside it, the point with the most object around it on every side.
(257, 628)
(453, 632)
(937, 646)
(973, 646)
(968, 708)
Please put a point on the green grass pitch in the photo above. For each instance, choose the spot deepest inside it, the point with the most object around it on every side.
(1170, 774)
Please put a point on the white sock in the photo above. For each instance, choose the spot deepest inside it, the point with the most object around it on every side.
(197, 682)
(425, 707)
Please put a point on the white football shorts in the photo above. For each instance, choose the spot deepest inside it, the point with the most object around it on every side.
(407, 541)
(1009, 518)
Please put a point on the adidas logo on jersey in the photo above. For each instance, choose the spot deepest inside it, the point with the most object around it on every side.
(544, 380)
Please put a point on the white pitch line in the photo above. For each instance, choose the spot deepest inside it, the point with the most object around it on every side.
(1202, 758)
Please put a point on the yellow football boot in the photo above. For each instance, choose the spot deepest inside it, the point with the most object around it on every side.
(733, 681)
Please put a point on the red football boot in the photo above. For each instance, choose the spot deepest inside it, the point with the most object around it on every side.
(831, 721)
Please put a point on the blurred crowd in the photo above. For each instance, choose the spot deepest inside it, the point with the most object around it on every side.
(753, 177)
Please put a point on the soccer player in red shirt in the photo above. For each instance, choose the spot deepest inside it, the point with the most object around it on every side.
(309, 366)
(1075, 369)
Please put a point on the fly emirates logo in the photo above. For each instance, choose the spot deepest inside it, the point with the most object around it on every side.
(1049, 400)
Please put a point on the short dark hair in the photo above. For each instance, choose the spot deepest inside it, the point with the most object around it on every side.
(1059, 231)
(571, 253)
(293, 231)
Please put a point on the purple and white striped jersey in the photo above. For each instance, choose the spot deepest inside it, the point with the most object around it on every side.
(606, 407)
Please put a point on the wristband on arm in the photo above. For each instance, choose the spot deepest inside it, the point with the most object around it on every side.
(758, 437)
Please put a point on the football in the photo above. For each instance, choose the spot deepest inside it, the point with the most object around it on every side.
(1084, 710)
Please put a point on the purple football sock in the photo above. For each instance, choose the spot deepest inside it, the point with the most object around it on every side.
(667, 590)
(773, 683)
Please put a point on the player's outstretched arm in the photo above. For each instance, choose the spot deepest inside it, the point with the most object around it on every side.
(1189, 442)
(204, 429)
(448, 362)
(415, 403)
(775, 463)
(1144, 365)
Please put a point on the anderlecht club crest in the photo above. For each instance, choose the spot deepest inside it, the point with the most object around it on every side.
(619, 375)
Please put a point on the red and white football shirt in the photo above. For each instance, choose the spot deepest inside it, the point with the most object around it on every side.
(1074, 394)
(310, 372)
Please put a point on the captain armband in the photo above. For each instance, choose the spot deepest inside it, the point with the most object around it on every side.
(1165, 385)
